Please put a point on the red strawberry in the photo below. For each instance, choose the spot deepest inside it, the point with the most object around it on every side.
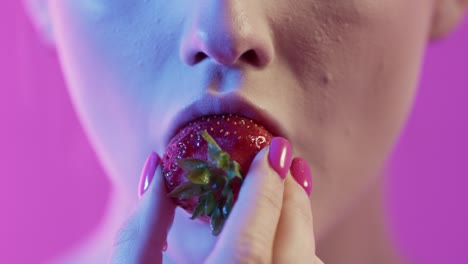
(205, 162)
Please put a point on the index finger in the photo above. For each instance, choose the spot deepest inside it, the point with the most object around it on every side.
(143, 237)
(249, 232)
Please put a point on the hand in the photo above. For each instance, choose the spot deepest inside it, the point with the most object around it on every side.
(271, 222)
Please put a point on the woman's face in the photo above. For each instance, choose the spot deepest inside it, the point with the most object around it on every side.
(337, 77)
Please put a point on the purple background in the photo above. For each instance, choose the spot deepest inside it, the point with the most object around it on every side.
(53, 191)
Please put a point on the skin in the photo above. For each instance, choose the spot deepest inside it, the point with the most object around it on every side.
(347, 69)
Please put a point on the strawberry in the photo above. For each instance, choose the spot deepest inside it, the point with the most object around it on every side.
(206, 161)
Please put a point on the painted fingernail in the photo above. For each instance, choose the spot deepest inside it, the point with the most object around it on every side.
(280, 156)
(300, 171)
(147, 173)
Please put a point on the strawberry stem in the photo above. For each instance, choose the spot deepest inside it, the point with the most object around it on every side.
(211, 181)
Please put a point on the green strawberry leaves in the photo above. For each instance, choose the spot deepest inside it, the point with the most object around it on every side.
(234, 171)
(191, 164)
(216, 221)
(210, 204)
(188, 190)
(199, 176)
(211, 181)
(199, 209)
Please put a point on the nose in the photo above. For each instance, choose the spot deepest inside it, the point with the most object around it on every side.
(229, 32)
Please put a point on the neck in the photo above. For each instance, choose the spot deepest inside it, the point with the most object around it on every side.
(363, 235)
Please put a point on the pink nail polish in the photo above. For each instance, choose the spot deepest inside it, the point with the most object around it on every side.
(147, 172)
(280, 156)
(300, 171)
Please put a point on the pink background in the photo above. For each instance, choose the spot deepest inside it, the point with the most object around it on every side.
(53, 191)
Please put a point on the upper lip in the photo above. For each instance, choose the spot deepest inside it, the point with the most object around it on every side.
(215, 104)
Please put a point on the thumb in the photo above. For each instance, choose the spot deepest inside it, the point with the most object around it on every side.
(143, 236)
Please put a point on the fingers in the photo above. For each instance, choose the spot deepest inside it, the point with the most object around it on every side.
(143, 236)
(294, 241)
(248, 234)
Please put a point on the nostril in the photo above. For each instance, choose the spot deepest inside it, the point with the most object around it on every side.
(251, 57)
(199, 57)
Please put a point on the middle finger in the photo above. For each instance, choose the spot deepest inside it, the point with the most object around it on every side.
(294, 241)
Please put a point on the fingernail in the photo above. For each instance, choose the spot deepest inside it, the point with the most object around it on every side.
(147, 173)
(280, 156)
(300, 171)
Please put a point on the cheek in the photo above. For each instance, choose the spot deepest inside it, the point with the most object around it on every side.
(116, 69)
(374, 84)
(358, 66)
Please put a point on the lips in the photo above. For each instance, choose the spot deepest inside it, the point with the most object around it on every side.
(211, 104)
